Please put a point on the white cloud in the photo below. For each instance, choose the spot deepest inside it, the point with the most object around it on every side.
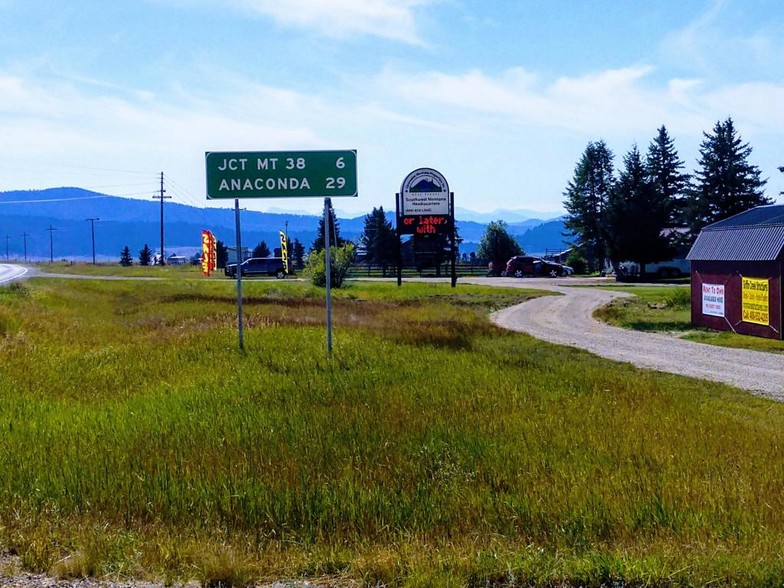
(63, 136)
(724, 43)
(754, 106)
(516, 125)
(612, 102)
(390, 19)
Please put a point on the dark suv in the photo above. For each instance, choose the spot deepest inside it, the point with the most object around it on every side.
(527, 265)
(258, 266)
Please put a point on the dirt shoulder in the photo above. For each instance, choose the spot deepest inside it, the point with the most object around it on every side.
(568, 320)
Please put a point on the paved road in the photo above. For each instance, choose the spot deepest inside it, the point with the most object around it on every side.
(568, 320)
(10, 272)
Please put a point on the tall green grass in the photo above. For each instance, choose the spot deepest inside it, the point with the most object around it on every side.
(668, 309)
(431, 449)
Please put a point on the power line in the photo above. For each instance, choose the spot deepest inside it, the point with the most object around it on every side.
(183, 193)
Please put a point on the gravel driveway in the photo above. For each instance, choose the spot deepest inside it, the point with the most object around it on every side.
(568, 320)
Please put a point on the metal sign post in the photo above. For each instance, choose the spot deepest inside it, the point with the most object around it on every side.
(239, 271)
(399, 242)
(453, 240)
(328, 273)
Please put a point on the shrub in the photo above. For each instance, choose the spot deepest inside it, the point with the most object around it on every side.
(576, 261)
(341, 259)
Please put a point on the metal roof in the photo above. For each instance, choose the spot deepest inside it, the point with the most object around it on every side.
(772, 214)
(761, 243)
(754, 235)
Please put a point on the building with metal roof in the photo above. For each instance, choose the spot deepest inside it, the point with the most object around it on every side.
(736, 269)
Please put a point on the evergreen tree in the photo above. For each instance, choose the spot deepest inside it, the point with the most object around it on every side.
(261, 250)
(586, 198)
(496, 246)
(126, 260)
(636, 214)
(379, 240)
(334, 232)
(725, 183)
(297, 253)
(781, 169)
(221, 254)
(664, 170)
(145, 255)
(434, 250)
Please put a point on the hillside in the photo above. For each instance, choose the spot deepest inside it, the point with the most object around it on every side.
(27, 216)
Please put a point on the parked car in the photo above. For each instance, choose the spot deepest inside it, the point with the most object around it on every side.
(258, 266)
(528, 265)
(662, 270)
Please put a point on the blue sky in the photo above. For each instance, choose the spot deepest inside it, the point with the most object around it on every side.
(500, 96)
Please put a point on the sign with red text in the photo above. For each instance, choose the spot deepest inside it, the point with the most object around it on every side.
(424, 224)
(713, 299)
(209, 255)
(425, 204)
(755, 301)
(426, 210)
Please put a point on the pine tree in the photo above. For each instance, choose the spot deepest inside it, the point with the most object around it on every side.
(221, 254)
(664, 170)
(261, 250)
(725, 183)
(297, 252)
(496, 246)
(636, 214)
(145, 255)
(125, 257)
(379, 240)
(434, 250)
(335, 239)
(586, 198)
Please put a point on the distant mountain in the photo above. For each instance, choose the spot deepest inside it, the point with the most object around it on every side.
(508, 216)
(27, 216)
(546, 237)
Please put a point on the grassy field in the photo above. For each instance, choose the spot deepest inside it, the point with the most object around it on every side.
(357, 271)
(431, 449)
(171, 272)
(668, 308)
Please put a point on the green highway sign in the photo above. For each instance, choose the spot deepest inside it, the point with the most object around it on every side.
(281, 174)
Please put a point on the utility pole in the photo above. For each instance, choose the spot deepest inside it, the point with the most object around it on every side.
(92, 233)
(25, 236)
(7, 238)
(51, 230)
(162, 198)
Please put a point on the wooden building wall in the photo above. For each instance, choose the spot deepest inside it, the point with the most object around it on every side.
(730, 274)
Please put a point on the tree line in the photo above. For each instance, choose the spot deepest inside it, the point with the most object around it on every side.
(644, 214)
(653, 207)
